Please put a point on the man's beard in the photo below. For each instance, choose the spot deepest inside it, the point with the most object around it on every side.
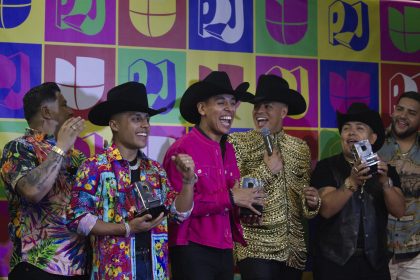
(405, 134)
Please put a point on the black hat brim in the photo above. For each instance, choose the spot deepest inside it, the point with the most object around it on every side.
(101, 113)
(370, 118)
(201, 91)
(293, 99)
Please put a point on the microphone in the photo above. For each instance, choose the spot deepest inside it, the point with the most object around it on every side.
(268, 143)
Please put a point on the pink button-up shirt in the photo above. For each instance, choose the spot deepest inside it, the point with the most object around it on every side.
(210, 221)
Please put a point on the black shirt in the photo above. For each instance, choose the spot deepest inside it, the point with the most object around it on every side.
(143, 239)
(360, 223)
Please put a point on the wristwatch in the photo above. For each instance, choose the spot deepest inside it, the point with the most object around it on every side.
(349, 186)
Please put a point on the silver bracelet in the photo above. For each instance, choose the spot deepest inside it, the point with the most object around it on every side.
(127, 230)
(390, 184)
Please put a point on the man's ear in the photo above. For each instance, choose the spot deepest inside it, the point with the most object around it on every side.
(45, 112)
(284, 111)
(372, 138)
(200, 108)
(113, 124)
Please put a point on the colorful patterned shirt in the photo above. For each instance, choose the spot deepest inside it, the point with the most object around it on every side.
(38, 230)
(103, 189)
(404, 233)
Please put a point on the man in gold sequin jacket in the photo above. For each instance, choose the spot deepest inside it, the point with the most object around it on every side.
(276, 247)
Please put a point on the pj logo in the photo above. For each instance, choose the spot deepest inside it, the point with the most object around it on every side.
(15, 80)
(221, 19)
(84, 16)
(159, 79)
(348, 25)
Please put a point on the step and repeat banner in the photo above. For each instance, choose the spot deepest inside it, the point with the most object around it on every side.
(333, 52)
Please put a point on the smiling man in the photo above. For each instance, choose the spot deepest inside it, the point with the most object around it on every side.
(350, 239)
(201, 247)
(276, 247)
(402, 150)
(106, 202)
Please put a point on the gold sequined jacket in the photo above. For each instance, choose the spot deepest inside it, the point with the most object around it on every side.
(281, 234)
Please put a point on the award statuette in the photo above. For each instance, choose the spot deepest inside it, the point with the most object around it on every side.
(363, 150)
(149, 202)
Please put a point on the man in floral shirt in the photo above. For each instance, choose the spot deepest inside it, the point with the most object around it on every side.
(38, 171)
(105, 201)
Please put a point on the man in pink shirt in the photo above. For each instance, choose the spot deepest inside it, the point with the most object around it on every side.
(201, 247)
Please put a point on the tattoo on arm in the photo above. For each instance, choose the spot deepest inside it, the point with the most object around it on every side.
(43, 177)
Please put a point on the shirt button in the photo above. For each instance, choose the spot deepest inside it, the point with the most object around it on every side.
(366, 235)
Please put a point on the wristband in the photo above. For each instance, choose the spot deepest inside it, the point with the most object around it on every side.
(59, 151)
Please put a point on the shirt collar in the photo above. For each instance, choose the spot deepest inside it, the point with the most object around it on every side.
(222, 139)
(391, 138)
(114, 153)
(37, 135)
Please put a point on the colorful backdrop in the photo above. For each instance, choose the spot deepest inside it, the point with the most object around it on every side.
(333, 52)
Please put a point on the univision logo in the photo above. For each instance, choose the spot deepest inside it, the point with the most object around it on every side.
(14, 12)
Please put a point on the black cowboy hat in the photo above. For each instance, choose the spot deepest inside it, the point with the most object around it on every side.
(130, 96)
(275, 88)
(360, 112)
(216, 83)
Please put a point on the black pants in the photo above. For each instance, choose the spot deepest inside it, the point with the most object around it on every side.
(356, 268)
(28, 271)
(260, 269)
(198, 262)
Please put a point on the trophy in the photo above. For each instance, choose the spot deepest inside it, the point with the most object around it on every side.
(363, 150)
(149, 202)
(249, 183)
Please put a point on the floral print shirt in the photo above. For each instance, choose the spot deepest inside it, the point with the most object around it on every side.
(38, 230)
(103, 189)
